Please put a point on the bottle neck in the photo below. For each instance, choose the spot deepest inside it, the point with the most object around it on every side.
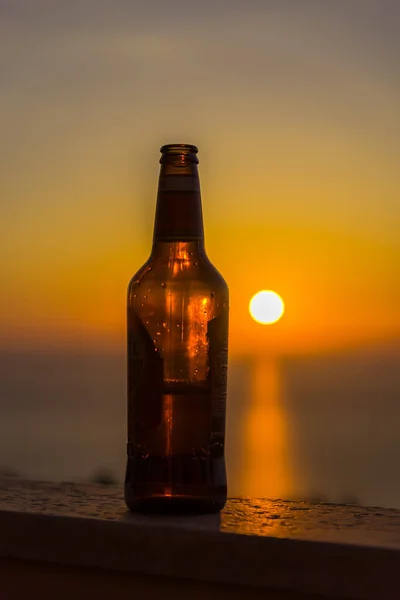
(179, 216)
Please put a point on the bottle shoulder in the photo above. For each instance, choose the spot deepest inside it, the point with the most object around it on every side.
(141, 273)
(197, 271)
(196, 268)
(218, 276)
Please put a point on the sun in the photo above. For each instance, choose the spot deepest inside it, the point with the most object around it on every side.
(266, 307)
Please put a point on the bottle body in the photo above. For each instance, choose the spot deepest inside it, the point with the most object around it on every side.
(177, 322)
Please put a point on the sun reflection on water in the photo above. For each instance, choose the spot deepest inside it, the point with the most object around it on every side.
(268, 469)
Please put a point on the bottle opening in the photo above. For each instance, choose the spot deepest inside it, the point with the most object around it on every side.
(179, 149)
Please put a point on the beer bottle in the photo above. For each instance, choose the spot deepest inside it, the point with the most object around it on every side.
(177, 326)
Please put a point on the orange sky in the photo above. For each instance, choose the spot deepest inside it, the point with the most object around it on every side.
(296, 117)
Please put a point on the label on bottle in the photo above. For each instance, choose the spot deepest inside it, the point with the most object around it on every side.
(145, 381)
(179, 215)
(217, 332)
(176, 183)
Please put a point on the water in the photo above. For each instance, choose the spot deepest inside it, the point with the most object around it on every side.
(323, 427)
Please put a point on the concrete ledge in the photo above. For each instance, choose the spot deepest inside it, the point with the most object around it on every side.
(32, 579)
(294, 548)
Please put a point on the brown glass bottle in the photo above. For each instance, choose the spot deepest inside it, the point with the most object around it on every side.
(177, 356)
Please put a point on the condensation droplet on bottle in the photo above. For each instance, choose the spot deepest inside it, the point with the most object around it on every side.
(144, 454)
(142, 304)
(149, 290)
(158, 333)
(196, 264)
(164, 324)
(145, 297)
(147, 322)
(163, 284)
(178, 325)
(134, 295)
(155, 341)
(217, 448)
(196, 371)
(190, 253)
(205, 453)
(212, 294)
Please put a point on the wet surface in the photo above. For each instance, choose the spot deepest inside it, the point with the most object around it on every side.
(256, 517)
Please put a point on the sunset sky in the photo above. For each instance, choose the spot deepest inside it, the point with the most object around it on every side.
(294, 106)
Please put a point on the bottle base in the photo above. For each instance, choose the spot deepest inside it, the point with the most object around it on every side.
(174, 505)
(175, 485)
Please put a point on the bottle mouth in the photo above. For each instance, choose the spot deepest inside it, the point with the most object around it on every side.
(179, 149)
